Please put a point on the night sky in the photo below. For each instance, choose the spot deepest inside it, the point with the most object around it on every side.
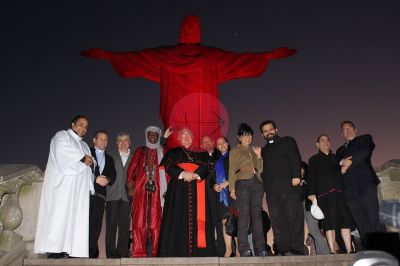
(347, 67)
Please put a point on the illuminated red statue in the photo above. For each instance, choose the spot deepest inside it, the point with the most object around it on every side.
(189, 74)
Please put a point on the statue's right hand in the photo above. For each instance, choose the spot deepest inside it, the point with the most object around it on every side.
(95, 53)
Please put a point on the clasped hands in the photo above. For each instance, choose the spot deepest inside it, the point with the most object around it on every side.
(88, 160)
(220, 187)
(102, 180)
(188, 176)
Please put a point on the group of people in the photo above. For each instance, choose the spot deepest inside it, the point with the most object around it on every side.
(180, 200)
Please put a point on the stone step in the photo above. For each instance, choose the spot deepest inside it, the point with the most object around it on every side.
(330, 260)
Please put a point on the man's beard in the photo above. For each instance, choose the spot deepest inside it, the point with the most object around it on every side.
(270, 136)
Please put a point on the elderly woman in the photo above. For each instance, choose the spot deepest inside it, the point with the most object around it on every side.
(245, 185)
(325, 188)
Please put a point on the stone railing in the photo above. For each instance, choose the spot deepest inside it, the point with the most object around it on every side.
(19, 195)
(389, 194)
(20, 187)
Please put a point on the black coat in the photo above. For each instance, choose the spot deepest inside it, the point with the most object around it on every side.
(108, 171)
(361, 174)
(281, 163)
(323, 174)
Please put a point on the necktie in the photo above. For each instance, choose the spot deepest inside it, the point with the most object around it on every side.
(346, 144)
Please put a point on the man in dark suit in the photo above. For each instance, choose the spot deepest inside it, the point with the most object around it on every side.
(118, 207)
(104, 173)
(360, 180)
(281, 180)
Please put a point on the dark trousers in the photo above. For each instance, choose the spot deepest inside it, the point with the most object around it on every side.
(365, 210)
(117, 217)
(287, 221)
(96, 211)
(249, 194)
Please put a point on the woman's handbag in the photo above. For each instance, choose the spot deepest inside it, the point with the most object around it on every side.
(231, 225)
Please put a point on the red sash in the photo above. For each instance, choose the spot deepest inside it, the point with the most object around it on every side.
(201, 205)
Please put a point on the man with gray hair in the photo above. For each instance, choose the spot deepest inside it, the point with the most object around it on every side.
(118, 204)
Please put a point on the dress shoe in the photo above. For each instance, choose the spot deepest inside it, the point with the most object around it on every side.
(286, 253)
(261, 253)
(246, 253)
(61, 255)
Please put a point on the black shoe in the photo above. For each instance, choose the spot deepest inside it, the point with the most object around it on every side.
(246, 253)
(261, 253)
(286, 253)
(61, 255)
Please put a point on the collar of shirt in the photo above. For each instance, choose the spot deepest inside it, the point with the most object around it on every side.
(98, 150)
(125, 154)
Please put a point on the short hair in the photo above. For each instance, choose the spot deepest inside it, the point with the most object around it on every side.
(244, 129)
(347, 122)
(320, 136)
(122, 134)
(266, 122)
(77, 117)
(185, 129)
(99, 132)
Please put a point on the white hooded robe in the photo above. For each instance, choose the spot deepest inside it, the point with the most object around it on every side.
(63, 221)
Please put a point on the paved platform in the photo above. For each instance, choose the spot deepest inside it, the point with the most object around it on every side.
(331, 260)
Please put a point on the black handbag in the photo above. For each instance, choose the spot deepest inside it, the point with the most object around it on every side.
(231, 225)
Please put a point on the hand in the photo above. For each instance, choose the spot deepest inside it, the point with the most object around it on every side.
(187, 176)
(296, 181)
(168, 132)
(217, 188)
(346, 163)
(88, 160)
(95, 53)
(102, 180)
(257, 151)
(281, 53)
(233, 194)
(313, 198)
(131, 188)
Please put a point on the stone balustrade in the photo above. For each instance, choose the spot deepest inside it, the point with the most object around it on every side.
(20, 186)
(19, 195)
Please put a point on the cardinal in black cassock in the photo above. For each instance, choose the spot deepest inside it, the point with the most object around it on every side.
(186, 228)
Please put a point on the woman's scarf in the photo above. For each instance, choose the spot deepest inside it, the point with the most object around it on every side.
(220, 177)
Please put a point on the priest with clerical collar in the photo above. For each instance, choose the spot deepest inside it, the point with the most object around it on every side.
(187, 229)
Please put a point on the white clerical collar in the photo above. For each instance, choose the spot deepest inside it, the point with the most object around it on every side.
(271, 141)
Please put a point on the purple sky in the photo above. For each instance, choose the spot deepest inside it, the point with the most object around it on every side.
(347, 68)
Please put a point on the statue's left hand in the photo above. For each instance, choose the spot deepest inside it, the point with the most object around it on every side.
(281, 53)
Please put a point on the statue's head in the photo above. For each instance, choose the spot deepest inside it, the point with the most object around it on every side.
(190, 30)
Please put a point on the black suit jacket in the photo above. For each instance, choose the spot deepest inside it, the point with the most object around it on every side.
(361, 173)
(108, 171)
(281, 163)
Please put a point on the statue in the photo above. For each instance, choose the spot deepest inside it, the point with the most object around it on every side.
(189, 74)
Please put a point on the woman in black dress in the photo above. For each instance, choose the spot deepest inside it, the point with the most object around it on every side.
(221, 187)
(325, 184)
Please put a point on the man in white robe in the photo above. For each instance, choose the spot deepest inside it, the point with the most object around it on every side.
(63, 222)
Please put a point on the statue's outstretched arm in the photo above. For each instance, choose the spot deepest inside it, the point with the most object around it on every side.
(281, 52)
(96, 53)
